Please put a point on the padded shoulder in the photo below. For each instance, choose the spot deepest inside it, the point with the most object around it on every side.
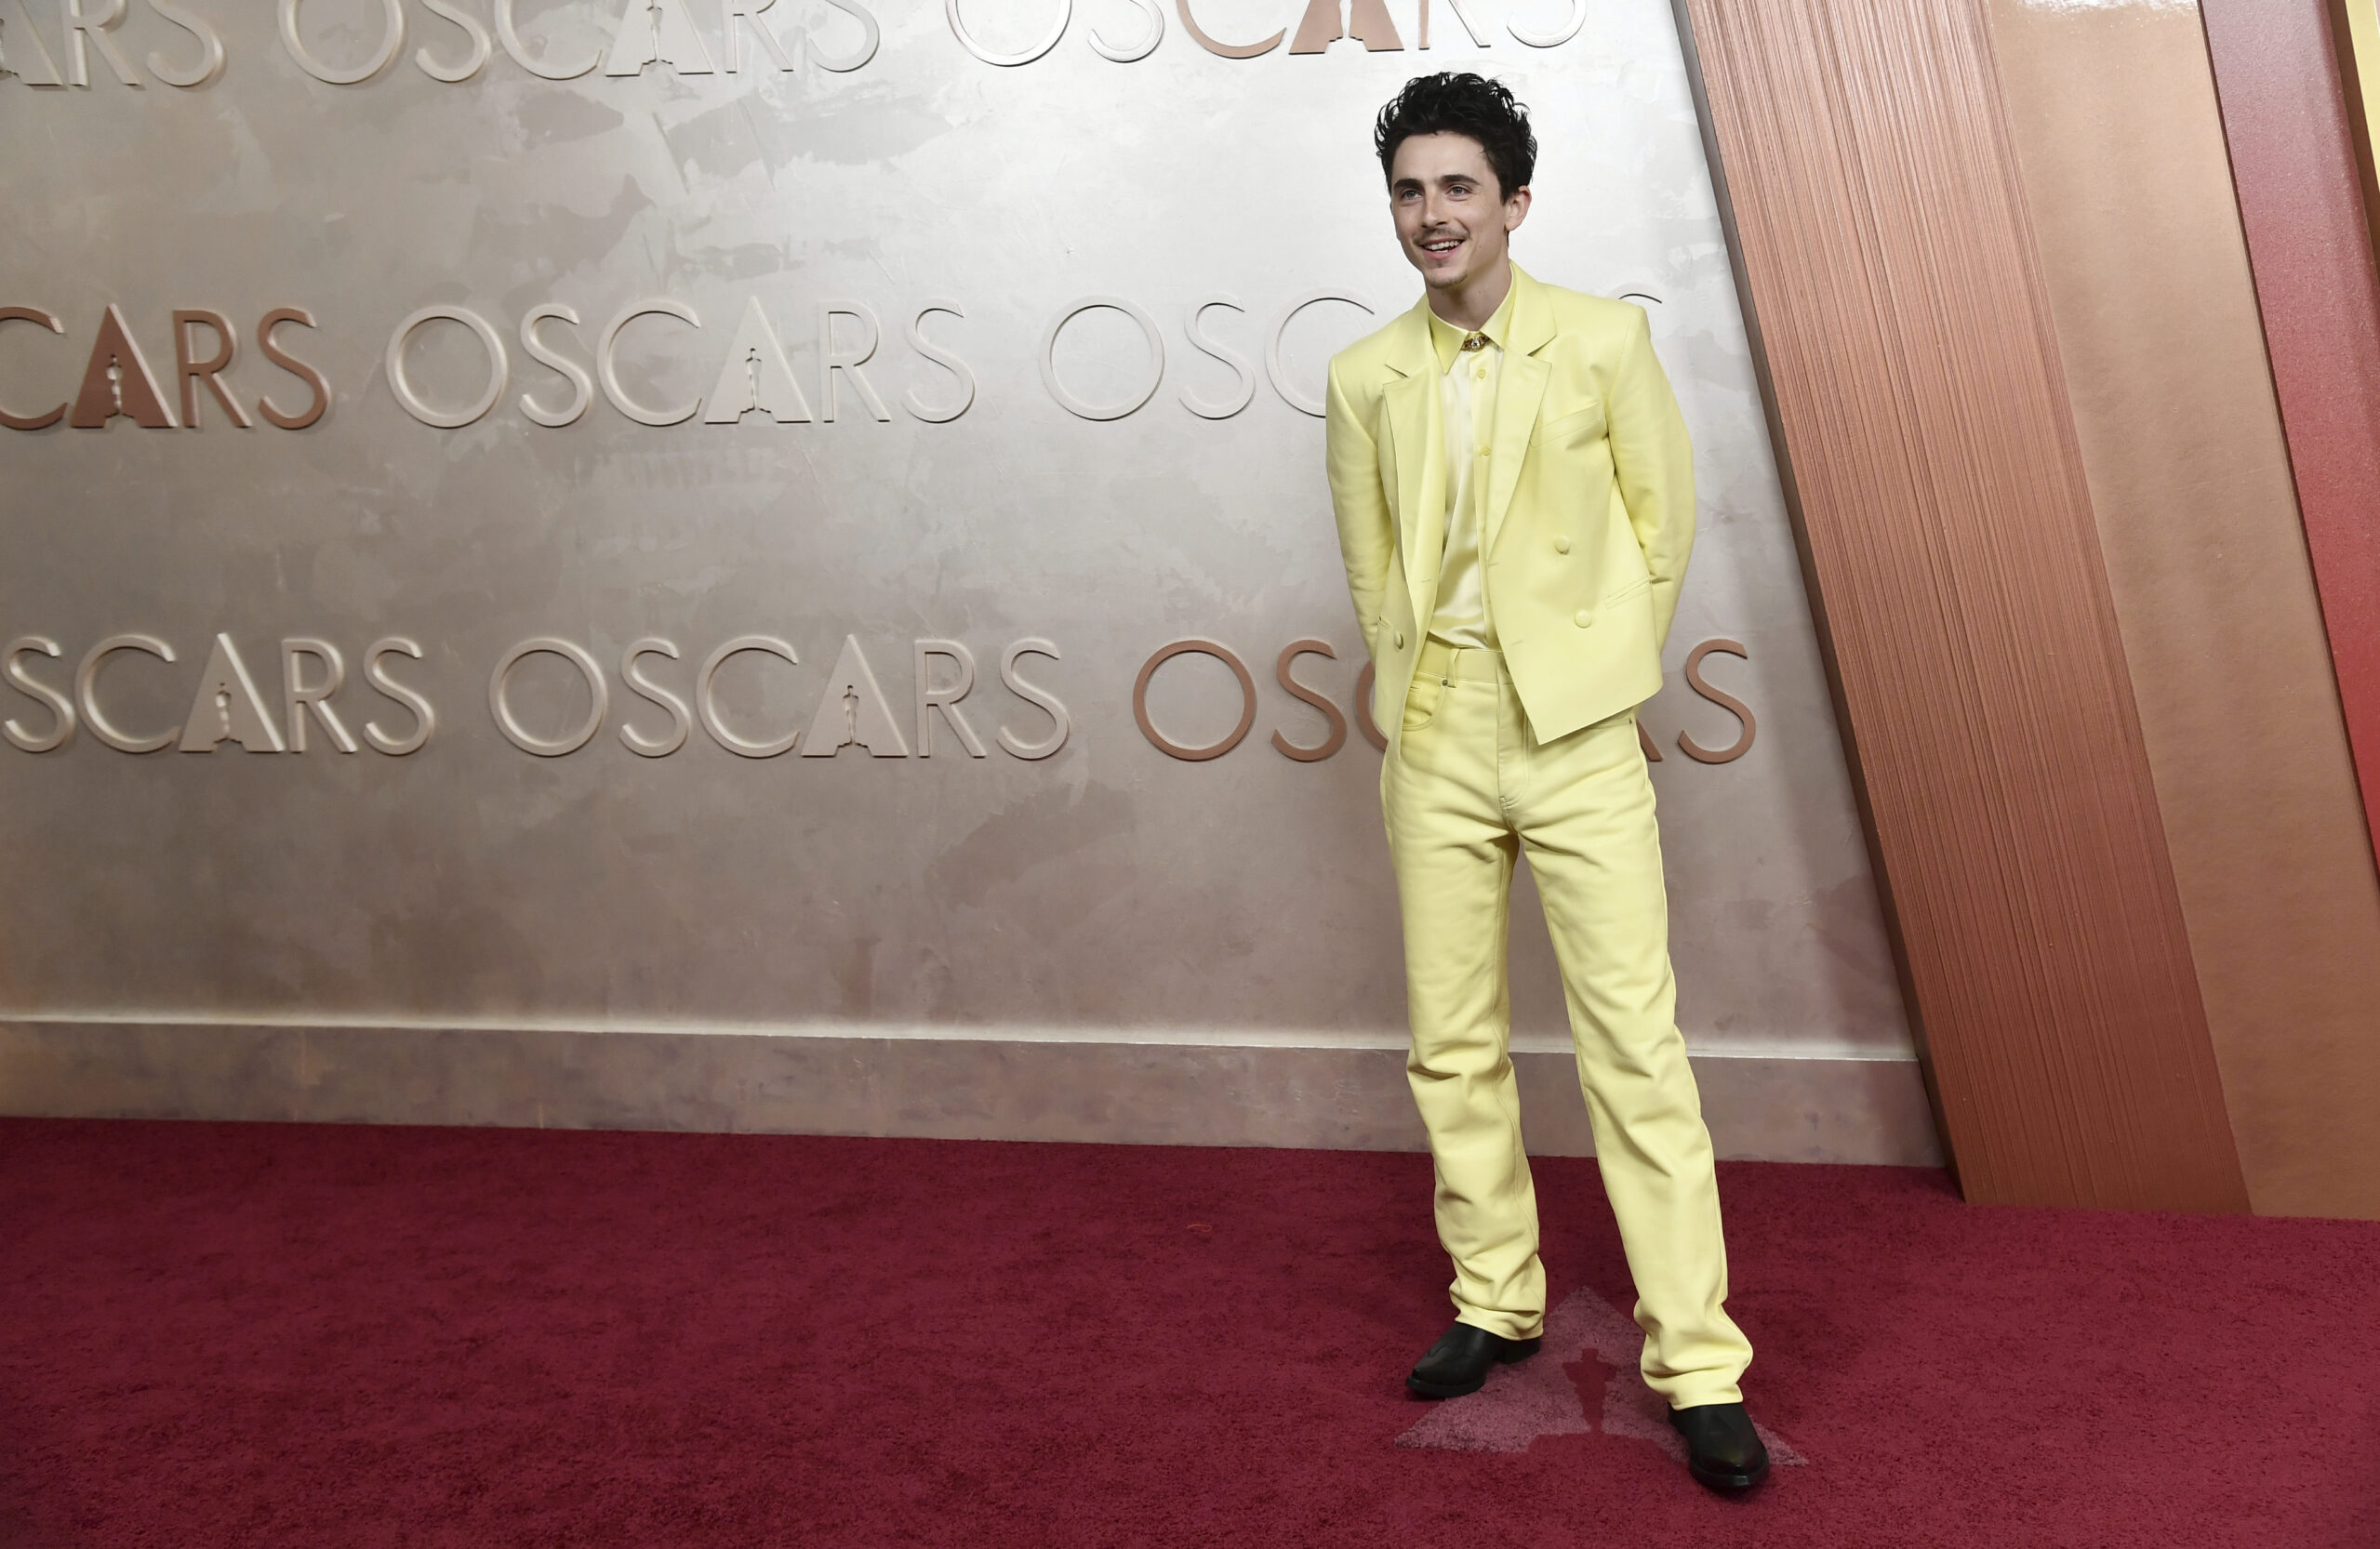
(1597, 316)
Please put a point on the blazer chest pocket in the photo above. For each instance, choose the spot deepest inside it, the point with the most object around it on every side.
(1570, 431)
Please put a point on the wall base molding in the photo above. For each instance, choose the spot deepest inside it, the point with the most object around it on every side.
(1195, 1088)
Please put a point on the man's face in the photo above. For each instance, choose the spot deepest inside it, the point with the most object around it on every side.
(1451, 220)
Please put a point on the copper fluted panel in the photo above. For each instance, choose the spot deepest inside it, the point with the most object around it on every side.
(2301, 198)
(1948, 536)
(2113, 111)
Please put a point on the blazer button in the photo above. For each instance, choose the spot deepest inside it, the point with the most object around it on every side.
(1582, 618)
(1400, 636)
(1562, 546)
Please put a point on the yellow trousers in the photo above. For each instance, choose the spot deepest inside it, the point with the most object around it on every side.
(1465, 789)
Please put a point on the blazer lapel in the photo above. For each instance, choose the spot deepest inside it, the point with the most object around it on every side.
(1519, 393)
(1411, 402)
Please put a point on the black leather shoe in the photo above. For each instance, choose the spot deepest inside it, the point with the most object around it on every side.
(1722, 1451)
(1458, 1362)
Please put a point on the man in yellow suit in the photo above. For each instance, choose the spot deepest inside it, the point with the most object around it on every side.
(1514, 490)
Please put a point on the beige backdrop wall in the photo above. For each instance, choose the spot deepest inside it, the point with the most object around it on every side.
(1096, 941)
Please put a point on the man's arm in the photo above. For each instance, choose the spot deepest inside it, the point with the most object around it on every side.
(1653, 461)
(1366, 534)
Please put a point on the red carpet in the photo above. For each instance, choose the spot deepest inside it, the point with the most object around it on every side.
(268, 1336)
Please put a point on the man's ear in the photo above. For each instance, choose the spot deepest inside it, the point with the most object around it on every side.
(1516, 209)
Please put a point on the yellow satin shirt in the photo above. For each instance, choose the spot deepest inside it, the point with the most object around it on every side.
(1466, 398)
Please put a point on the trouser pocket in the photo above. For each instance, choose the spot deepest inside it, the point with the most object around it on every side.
(1422, 700)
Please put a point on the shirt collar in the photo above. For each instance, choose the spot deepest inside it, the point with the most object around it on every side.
(1448, 339)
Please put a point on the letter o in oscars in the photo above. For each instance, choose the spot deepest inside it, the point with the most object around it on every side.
(500, 368)
(499, 681)
(391, 42)
(1025, 56)
(1148, 330)
(1202, 647)
(1557, 37)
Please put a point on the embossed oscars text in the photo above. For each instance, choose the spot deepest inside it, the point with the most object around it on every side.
(852, 710)
(226, 704)
(661, 34)
(1334, 720)
(755, 380)
(1319, 24)
(117, 382)
(756, 376)
(667, 36)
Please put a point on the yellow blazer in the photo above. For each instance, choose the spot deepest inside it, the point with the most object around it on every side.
(1591, 503)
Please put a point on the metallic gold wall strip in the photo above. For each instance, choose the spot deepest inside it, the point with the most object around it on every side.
(1941, 498)
(2355, 31)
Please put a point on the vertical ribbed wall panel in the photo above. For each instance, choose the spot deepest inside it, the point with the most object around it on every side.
(1939, 493)
(2301, 198)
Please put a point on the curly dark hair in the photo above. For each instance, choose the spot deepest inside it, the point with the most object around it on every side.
(1457, 103)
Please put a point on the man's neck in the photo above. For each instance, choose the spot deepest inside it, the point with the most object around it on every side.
(1469, 306)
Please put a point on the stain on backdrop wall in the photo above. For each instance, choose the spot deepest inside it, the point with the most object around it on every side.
(663, 515)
